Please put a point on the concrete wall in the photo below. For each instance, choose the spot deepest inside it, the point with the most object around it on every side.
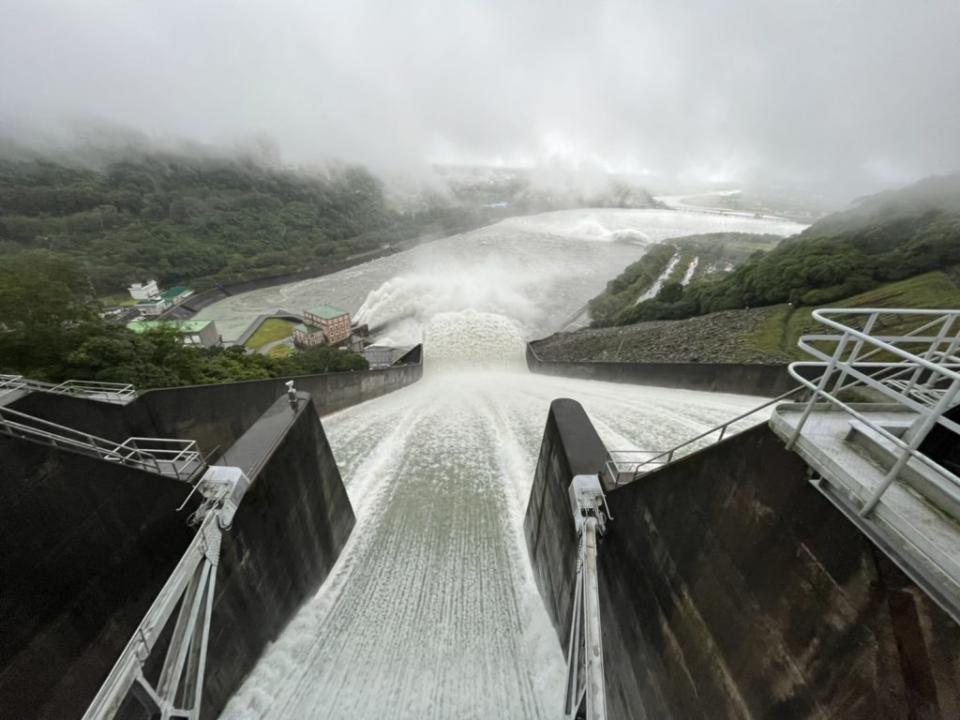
(741, 378)
(731, 588)
(285, 538)
(85, 546)
(215, 415)
(570, 447)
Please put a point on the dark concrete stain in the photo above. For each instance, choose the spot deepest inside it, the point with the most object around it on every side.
(731, 588)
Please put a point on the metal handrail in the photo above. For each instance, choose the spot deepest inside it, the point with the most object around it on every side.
(182, 611)
(908, 448)
(181, 461)
(661, 457)
(820, 315)
(924, 396)
(194, 581)
(613, 465)
(91, 389)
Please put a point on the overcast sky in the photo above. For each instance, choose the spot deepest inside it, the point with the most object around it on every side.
(858, 91)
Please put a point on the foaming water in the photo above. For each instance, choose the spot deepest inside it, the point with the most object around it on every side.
(537, 270)
(471, 340)
(431, 610)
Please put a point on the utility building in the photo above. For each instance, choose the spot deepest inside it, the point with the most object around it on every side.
(330, 322)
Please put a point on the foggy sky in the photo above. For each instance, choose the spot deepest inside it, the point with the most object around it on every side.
(858, 92)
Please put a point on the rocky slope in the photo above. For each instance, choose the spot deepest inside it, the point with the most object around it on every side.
(719, 337)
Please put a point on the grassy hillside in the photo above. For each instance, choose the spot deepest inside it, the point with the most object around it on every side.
(203, 220)
(777, 336)
(885, 238)
(714, 253)
(767, 334)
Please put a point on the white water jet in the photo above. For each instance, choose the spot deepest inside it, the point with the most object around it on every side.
(431, 610)
(652, 291)
(691, 269)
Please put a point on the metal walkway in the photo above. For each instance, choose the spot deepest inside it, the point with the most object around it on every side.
(867, 456)
(15, 386)
(179, 459)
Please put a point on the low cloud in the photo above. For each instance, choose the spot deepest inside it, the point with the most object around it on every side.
(858, 93)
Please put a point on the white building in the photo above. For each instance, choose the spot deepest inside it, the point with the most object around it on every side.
(144, 291)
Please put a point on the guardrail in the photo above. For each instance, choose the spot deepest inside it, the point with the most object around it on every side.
(90, 389)
(922, 376)
(180, 459)
(190, 593)
(622, 465)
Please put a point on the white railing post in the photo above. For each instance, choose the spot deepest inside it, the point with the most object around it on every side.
(857, 346)
(935, 349)
(918, 437)
(178, 692)
(944, 328)
(585, 681)
(818, 391)
(593, 644)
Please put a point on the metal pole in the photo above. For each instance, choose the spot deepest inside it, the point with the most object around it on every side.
(824, 379)
(947, 322)
(572, 700)
(918, 437)
(593, 638)
(867, 328)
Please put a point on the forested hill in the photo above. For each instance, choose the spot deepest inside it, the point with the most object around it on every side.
(882, 238)
(203, 221)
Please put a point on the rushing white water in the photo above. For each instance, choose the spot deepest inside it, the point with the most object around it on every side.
(652, 291)
(538, 270)
(691, 269)
(431, 610)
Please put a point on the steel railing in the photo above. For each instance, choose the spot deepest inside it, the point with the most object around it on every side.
(634, 463)
(188, 596)
(180, 459)
(90, 389)
(622, 462)
(923, 376)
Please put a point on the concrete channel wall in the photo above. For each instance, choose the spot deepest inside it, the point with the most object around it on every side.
(731, 588)
(216, 415)
(570, 447)
(85, 546)
(741, 378)
(285, 538)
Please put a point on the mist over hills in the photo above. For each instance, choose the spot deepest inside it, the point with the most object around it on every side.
(883, 238)
(129, 209)
(205, 219)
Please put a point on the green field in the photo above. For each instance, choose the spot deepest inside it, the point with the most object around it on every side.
(269, 331)
(778, 334)
(110, 301)
(281, 351)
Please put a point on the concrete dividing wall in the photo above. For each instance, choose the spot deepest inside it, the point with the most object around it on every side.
(731, 588)
(285, 538)
(215, 415)
(570, 447)
(740, 378)
(85, 546)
